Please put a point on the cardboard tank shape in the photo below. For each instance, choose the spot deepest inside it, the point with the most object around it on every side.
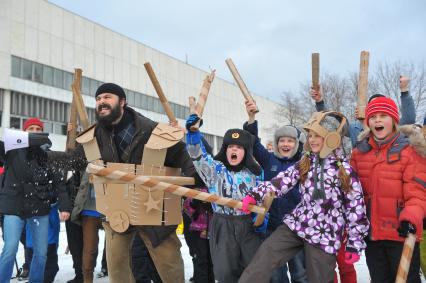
(127, 204)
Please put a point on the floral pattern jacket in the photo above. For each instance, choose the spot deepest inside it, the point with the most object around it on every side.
(321, 222)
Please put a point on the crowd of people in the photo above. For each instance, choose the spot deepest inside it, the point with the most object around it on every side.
(342, 188)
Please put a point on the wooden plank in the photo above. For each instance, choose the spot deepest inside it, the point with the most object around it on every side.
(202, 99)
(72, 134)
(239, 80)
(363, 83)
(315, 70)
(160, 93)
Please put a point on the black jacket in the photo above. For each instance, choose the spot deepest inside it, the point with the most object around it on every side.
(29, 185)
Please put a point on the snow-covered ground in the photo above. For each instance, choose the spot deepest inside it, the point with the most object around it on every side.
(66, 272)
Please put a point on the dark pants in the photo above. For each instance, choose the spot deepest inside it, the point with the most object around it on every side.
(51, 268)
(75, 244)
(282, 246)
(203, 266)
(143, 267)
(383, 260)
(104, 265)
(233, 243)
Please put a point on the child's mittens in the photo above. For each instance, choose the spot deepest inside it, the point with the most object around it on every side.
(404, 228)
(351, 257)
(192, 120)
(246, 202)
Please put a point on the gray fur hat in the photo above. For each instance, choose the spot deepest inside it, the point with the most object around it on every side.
(291, 132)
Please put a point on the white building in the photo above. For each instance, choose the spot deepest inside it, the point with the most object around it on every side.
(43, 43)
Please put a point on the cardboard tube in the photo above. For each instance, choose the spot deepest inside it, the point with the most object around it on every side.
(202, 99)
(239, 80)
(181, 181)
(267, 202)
(174, 189)
(204, 93)
(160, 93)
(315, 70)
(192, 105)
(363, 83)
(405, 261)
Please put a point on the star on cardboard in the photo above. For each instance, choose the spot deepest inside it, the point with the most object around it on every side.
(151, 203)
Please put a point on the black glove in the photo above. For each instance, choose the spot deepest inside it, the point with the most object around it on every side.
(38, 139)
(404, 228)
(192, 120)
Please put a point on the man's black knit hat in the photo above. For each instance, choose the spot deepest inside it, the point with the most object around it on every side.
(244, 139)
(111, 88)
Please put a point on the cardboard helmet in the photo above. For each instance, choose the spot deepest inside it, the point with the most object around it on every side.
(332, 132)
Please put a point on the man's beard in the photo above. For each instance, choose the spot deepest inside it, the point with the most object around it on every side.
(109, 119)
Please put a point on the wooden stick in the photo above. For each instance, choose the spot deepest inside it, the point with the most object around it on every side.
(202, 99)
(174, 189)
(363, 83)
(181, 181)
(160, 93)
(81, 109)
(315, 70)
(71, 135)
(405, 261)
(239, 80)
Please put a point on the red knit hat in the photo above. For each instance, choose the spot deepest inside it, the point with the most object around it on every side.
(33, 121)
(382, 104)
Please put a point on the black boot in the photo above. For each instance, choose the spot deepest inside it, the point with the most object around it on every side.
(23, 273)
(77, 279)
(103, 273)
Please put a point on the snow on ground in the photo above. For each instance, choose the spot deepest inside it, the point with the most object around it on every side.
(66, 272)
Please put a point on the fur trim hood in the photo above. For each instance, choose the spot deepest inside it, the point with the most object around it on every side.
(291, 132)
(414, 133)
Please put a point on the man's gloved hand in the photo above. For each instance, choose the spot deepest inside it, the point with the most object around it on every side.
(38, 139)
(404, 228)
(246, 202)
(192, 120)
(351, 257)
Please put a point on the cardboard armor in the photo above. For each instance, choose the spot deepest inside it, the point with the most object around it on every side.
(127, 204)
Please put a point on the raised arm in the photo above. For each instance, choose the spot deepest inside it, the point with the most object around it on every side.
(408, 110)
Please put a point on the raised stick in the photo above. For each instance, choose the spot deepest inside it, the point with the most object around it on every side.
(160, 93)
(71, 135)
(315, 70)
(239, 80)
(174, 189)
(81, 109)
(202, 99)
(192, 104)
(405, 261)
(363, 83)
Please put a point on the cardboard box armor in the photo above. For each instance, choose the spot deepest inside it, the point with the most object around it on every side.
(127, 204)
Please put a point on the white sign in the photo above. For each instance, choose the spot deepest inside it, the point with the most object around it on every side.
(14, 139)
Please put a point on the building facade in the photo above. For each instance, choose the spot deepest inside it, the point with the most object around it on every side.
(43, 43)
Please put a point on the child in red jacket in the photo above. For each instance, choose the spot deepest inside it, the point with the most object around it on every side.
(393, 177)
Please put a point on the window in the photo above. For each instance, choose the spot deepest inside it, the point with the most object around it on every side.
(93, 87)
(85, 87)
(38, 73)
(131, 97)
(47, 75)
(48, 127)
(16, 67)
(68, 80)
(15, 123)
(58, 78)
(27, 69)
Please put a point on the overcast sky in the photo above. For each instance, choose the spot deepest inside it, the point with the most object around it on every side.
(269, 41)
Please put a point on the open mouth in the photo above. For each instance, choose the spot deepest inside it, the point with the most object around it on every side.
(285, 149)
(379, 128)
(234, 156)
